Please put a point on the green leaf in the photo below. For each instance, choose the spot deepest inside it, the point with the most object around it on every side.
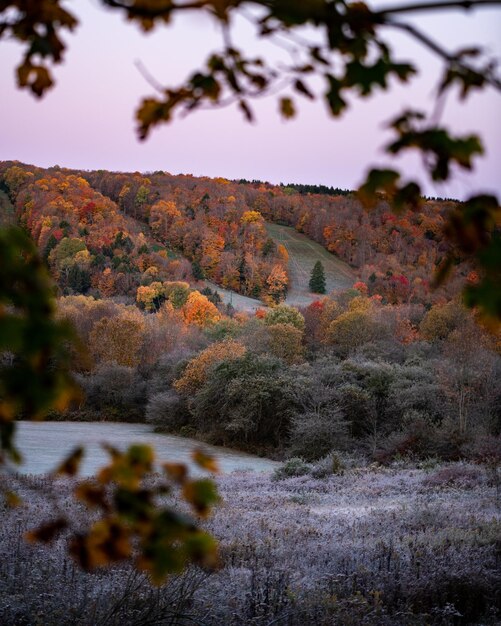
(201, 494)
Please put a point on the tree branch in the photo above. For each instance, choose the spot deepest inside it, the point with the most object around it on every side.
(441, 52)
(466, 5)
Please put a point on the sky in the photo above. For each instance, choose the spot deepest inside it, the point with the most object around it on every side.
(87, 121)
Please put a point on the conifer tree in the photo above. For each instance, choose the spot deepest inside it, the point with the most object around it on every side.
(317, 280)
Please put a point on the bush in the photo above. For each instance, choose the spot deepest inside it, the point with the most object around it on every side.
(329, 465)
(117, 387)
(313, 435)
(284, 314)
(456, 475)
(167, 411)
(416, 439)
(290, 468)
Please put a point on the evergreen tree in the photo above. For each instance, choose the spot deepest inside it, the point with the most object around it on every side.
(317, 280)
(198, 272)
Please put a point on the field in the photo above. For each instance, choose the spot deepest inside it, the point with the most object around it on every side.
(375, 546)
(303, 253)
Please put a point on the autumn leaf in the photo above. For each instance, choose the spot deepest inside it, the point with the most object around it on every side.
(71, 464)
(287, 109)
(205, 461)
(47, 532)
(201, 494)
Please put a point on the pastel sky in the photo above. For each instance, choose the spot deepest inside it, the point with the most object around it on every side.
(87, 120)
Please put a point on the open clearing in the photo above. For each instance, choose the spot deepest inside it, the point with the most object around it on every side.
(237, 300)
(374, 546)
(303, 254)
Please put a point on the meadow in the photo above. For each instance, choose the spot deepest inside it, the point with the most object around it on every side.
(370, 545)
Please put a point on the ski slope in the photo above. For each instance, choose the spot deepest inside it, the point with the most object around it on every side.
(303, 254)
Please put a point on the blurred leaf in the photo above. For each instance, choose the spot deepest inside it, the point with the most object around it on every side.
(71, 463)
(287, 109)
(202, 549)
(107, 541)
(37, 378)
(201, 494)
(12, 499)
(176, 471)
(205, 461)
(92, 494)
(301, 88)
(333, 95)
(47, 532)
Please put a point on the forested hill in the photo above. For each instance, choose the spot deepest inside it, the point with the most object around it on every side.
(109, 233)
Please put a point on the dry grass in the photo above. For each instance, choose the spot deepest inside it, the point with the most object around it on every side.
(303, 253)
(373, 546)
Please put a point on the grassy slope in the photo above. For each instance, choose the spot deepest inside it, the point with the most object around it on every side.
(303, 253)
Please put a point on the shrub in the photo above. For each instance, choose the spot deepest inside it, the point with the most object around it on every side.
(284, 314)
(115, 386)
(291, 468)
(313, 435)
(456, 475)
(329, 465)
(167, 411)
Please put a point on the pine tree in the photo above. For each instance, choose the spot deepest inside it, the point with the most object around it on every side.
(317, 280)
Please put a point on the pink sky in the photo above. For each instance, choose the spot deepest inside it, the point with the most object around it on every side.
(87, 120)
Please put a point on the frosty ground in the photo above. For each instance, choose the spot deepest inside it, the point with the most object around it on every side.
(371, 546)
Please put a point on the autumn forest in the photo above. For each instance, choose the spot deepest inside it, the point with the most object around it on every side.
(205, 308)
(401, 367)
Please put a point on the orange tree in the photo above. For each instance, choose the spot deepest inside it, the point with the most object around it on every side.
(348, 55)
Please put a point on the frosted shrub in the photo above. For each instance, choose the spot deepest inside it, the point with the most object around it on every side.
(315, 434)
(329, 465)
(458, 475)
(375, 546)
(114, 390)
(292, 467)
(166, 410)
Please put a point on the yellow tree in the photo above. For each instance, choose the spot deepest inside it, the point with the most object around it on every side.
(200, 311)
(276, 285)
(286, 343)
(162, 216)
(117, 339)
(150, 297)
(195, 373)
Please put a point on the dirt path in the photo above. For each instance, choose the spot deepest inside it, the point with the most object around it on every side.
(241, 303)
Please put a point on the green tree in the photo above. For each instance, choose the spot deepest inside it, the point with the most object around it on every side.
(317, 280)
(245, 401)
(284, 314)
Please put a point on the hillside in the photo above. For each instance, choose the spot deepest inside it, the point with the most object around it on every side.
(109, 233)
(303, 253)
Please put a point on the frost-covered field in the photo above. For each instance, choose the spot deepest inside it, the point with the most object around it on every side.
(373, 546)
